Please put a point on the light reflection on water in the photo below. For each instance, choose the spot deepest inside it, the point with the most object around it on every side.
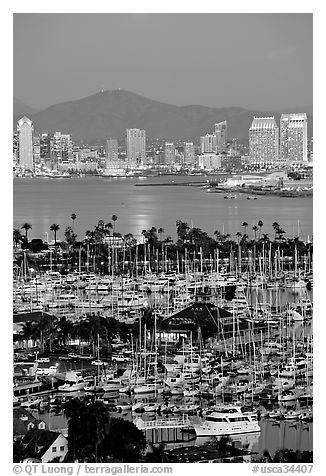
(43, 202)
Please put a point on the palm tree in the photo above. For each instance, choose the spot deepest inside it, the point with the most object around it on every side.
(255, 229)
(260, 224)
(160, 231)
(245, 225)
(26, 227)
(114, 219)
(108, 227)
(238, 234)
(275, 227)
(55, 228)
(73, 217)
(17, 237)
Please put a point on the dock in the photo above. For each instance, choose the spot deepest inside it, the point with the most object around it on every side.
(184, 423)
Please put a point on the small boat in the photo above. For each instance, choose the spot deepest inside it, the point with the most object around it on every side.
(151, 408)
(125, 406)
(292, 415)
(137, 407)
(251, 197)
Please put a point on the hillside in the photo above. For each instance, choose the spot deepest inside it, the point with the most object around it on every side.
(109, 113)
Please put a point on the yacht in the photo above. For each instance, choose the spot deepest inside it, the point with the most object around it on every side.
(227, 420)
(74, 381)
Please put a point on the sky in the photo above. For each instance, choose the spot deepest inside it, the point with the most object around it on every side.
(258, 61)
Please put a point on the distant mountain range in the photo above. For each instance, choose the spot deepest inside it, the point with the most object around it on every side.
(109, 113)
(21, 109)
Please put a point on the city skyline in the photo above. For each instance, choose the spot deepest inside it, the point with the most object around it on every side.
(130, 45)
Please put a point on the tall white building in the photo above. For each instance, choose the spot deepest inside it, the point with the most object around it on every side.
(136, 146)
(111, 149)
(293, 138)
(264, 141)
(25, 129)
(169, 153)
(220, 131)
(189, 153)
(208, 144)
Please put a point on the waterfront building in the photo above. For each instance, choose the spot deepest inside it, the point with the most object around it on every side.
(264, 141)
(111, 150)
(189, 153)
(25, 129)
(293, 138)
(87, 154)
(136, 146)
(37, 149)
(61, 150)
(15, 147)
(45, 146)
(169, 153)
(209, 161)
(208, 144)
(220, 132)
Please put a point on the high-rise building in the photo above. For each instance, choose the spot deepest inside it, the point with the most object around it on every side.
(208, 144)
(220, 131)
(136, 146)
(62, 148)
(169, 153)
(293, 138)
(25, 129)
(263, 141)
(37, 149)
(189, 153)
(111, 148)
(45, 146)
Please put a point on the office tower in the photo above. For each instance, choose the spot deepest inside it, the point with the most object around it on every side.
(220, 131)
(136, 146)
(25, 129)
(169, 153)
(61, 148)
(45, 147)
(189, 153)
(208, 144)
(293, 138)
(37, 149)
(263, 141)
(15, 146)
(111, 148)
(209, 161)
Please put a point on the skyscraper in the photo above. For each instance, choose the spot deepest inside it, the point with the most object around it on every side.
(136, 146)
(62, 148)
(263, 141)
(111, 150)
(189, 153)
(293, 140)
(220, 131)
(169, 153)
(208, 143)
(25, 129)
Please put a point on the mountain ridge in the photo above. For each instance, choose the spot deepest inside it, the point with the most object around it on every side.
(109, 113)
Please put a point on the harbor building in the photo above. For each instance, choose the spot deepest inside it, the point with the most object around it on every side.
(136, 146)
(111, 149)
(209, 161)
(25, 129)
(61, 150)
(208, 144)
(220, 131)
(169, 153)
(189, 153)
(264, 141)
(293, 138)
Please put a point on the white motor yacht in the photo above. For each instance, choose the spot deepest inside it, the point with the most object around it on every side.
(227, 420)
